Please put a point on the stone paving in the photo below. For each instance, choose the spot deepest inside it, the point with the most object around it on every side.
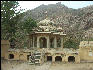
(45, 66)
(16, 65)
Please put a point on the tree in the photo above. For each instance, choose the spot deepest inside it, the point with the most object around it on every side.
(70, 43)
(26, 27)
(11, 28)
(9, 16)
(29, 24)
(8, 12)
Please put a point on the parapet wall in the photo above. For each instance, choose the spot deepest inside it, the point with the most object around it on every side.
(86, 51)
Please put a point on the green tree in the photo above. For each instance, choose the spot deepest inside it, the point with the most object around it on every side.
(29, 24)
(8, 23)
(27, 27)
(71, 44)
(11, 26)
(9, 17)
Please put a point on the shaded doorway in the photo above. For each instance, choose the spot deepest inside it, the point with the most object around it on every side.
(43, 42)
(28, 57)
(11, 56)
(49, 58)
(71, 59)
(58, 58)
(51, 42)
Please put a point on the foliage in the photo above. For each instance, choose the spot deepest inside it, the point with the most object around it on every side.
(24, 28)
(11, 28)
(71, 44)
(8, 18)
(29, 24)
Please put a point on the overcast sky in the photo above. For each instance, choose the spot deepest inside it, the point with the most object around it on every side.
(70, 4)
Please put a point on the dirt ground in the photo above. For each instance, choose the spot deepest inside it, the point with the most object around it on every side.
(19, 65)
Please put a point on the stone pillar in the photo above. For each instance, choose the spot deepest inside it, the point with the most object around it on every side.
(53, 58)
(55, 42)
(62, 42)
(38, 45)
(48, 42)
(63, 59)
(30, 42)
(33, 41)
(66, 58)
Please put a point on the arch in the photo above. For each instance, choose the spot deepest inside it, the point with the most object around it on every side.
(43, 42)
(71, 59)
(49, 58)
(11, 56)
(58, 58)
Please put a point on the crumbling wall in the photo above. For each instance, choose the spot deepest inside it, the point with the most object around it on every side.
(18, 55)
(77, 58)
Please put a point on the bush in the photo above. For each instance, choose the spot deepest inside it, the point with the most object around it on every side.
(71, 44)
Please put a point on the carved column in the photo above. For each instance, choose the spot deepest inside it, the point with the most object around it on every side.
(53, 58)
(38, 45)
(33, 41)
(62, 42)
(48, 42)
(29, 42)
(55, 42)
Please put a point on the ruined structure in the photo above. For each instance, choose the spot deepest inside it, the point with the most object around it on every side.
(46, 44)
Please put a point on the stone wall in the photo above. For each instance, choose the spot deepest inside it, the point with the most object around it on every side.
(86, 54)
(77, 57)
(23, 56)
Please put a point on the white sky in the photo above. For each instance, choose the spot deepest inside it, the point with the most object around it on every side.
(70, 4)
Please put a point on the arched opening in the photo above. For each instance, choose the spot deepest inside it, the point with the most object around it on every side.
(58, 58)
(43, 42)
(58, 42)
(71, 59)
(49, 58)
(11, 56)
(52, 43)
